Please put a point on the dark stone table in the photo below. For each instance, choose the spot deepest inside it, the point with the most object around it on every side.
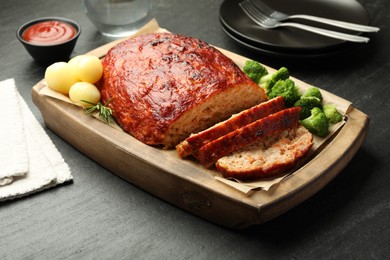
(101, 216)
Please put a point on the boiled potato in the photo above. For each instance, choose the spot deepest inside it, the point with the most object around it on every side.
(84, 91)
(73, 61)
(88, 68)
(60, 76)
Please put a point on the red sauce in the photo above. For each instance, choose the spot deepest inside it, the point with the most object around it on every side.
(49, 33)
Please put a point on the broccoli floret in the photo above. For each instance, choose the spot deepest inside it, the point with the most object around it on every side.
(316, 123)
(313, 92)
(286, 89)
(268, 81)
(332, 114)
(254, 70)
(307, 104)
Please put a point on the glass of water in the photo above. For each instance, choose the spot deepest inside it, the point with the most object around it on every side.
(118, 18)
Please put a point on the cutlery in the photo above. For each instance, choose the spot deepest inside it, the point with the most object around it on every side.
(279, 16)
(269, 23)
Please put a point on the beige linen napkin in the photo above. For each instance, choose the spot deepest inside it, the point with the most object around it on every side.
(29, 161)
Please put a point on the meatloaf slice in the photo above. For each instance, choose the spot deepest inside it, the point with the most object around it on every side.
(246, 135)
(192, 144)
(271, 156)
(162, 87)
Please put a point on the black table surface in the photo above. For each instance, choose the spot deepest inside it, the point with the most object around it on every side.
(101, 216)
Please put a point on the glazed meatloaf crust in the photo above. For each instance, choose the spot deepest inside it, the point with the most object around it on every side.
(194, 142)
(162, 87)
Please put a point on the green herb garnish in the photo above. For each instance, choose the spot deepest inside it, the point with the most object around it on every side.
(104, 111)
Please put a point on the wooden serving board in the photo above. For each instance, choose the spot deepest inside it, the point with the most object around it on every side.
(187, 184)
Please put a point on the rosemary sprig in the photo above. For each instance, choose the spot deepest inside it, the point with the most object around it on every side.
(104, 111)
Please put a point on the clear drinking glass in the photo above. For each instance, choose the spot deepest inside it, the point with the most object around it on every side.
(118, 18)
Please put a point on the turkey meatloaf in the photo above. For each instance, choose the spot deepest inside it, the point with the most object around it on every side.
(162, 87)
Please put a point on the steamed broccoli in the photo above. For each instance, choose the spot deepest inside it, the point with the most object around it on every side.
(332, 114)
(254, 70)
(307, 104)
(286, 89)
(316, 123)
(313, 92)
(268, 81)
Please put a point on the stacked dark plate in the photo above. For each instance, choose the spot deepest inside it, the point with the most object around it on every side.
(292, 42)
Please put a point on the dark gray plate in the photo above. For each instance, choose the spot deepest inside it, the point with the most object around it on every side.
(287, 39)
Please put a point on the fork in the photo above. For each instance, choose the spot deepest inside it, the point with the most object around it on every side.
(269, 23)
(279, 16)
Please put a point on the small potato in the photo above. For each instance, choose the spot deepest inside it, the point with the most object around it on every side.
(84, 91)
(60, 77)
(73, 61)
(87, 67)
(74, 64)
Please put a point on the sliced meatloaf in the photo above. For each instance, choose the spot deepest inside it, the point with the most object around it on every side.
(270, 156)
(163, 87)
(192, 144)
(249, 134)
